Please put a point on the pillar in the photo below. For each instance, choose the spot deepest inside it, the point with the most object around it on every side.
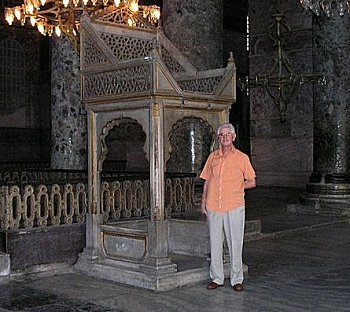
(329, 187)
(196, 28)
(158, 261)
(68, 118)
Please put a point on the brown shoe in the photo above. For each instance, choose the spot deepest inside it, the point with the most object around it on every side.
(213, 285)
(238, 287)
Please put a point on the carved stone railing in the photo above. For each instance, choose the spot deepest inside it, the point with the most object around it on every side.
(129, 199)
(43, 203)
(179, 195)
(124, 199)
(37, 206)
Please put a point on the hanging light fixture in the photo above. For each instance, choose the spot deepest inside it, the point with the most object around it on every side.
(281, 82)
(56, 17)
(328, 7)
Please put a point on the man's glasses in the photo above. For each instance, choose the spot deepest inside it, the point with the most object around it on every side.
(224, 135)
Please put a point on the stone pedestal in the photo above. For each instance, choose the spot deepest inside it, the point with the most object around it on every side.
(329, 189)
(68, 118)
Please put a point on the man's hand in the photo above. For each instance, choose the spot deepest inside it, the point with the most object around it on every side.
(204, 200)
(204, 212)
(249, 184)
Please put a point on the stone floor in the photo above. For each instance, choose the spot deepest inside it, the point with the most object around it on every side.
(301, 263)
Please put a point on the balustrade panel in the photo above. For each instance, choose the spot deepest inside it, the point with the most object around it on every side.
(27, 206)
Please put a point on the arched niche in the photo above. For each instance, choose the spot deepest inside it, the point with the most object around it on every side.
(117, 130)
(190, 141)
(123, 141)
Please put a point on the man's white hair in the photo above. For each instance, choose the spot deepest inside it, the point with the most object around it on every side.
(228, 126)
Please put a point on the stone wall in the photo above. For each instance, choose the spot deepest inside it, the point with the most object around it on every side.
(281, 151)
(25, 111)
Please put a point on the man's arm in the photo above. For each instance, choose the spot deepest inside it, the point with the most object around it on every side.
(249, 184)
(204, 198)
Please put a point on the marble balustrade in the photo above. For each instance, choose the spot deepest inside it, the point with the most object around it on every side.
(30, 199)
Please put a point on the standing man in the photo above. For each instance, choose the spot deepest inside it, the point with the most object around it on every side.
(227, 173)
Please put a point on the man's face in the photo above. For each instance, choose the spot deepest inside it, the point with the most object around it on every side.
(226, 137)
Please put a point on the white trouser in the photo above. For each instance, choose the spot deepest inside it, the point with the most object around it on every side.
(230, 225)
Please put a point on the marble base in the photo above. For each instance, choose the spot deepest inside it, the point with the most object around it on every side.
(186, 264)
(324, 199)
(43, 245)
(156, 277)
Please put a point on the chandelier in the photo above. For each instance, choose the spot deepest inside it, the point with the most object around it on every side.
(57, 17)
(328, 7)
(281, 82)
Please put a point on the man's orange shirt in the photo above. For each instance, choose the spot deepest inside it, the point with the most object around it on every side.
(226, 176)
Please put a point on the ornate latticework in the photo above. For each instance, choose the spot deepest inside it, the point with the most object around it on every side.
(43, 205)
(30, 206)
(126, 47)
(125, 17)
(179, 196)
(125, 199)
(93, 55)
(125, 44)
(124, 80)
(172, 64)
(202, 85)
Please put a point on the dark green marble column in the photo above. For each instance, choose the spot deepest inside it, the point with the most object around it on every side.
(68, 117)
(329, 187)
(195, 27)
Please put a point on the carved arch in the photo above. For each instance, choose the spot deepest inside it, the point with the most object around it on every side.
(105, 132)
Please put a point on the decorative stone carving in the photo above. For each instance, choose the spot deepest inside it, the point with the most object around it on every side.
(139, 86)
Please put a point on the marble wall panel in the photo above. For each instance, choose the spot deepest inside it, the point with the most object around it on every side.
(281, 152)
(282, 157)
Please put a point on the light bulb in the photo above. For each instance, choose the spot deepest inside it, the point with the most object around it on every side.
(155, 12)
(18, 12)
(57, 31)
(9, 16)
(32, 21)
(134, 6)
(117, 3)
(41, 28)
(30, 7)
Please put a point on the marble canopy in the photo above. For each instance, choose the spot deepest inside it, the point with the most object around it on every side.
(135, 72)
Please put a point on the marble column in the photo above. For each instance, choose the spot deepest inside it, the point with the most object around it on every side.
(68, 117)
(329, 187)
(196, 28)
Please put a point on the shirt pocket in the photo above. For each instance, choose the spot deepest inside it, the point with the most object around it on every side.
(216, 168)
